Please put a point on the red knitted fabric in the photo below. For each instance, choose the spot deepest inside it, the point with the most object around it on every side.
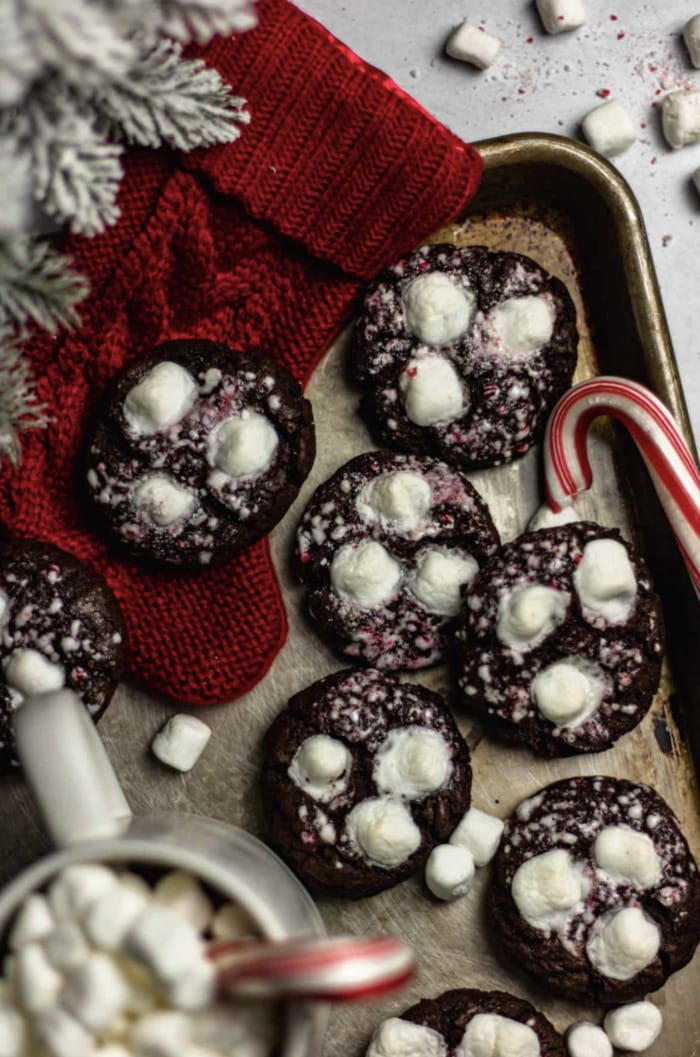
(264, 242)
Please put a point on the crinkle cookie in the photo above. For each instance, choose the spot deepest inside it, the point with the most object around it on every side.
(363, 775)
(462, 353)
(200, 452)
(595, 891)
(60, 626)
(384, 548)
(468, 1023)
(562, 640)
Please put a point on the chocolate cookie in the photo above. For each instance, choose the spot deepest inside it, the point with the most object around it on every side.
(200, 452)
(562, 640)
(363, 775)
(60, 625)
(384, 548)
(594, 890)
(468, 1023)
(462, 353)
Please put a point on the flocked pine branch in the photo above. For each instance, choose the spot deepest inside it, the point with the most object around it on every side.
(201, 19)
(20, 61)
(20, 409)
(38, 284)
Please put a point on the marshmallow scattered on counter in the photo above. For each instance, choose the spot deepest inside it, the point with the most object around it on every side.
(691, 35)
(680, 118)
(184, 894)
(33, 922)
(586, 1039)
(609, 129)
(480, 834)
(181, 742)
(472, 44)
(560, 16)
(449, 871)
(634, 1027)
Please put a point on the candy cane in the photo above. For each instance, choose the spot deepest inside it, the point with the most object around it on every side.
(339, 969)
(668, 459)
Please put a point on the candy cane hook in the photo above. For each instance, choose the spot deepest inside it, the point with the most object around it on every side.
(671, 466)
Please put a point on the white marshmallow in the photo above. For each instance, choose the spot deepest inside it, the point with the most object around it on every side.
(608, 128)
(384, 831)
(135, 883)
(62, 1035)
(113, 1049)
(438, 308)
(401, 1038)
(320, 766)
(559, 16)
(232, 922)
(449, 871)
(244, 446)
(36, 982)
(691, 35)
(491, 1035)
(164, 942)
(544, 517)
(184, 894)
(365, 575)
(412, 762)
(161, 500)
(627, 855)
(196, 988)
(433, 391)
(622, 943)
(162, 397)
(29, 672)
(470, 43)
(401, 498)
(635, 1027)
(76, 887)
(161, 1035)
(111, 915)
(65, 946)
(96, 993)
(145, 992)
(605, 581)
(480, 834)
(33, 922)
(440, 576)
(12, 1033)
(680, 118)
(568, 691)
(528, 613)
(181, 742)
(523, 324)
(586, 1039)
(547, 888)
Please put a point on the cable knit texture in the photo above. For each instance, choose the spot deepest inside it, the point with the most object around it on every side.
(265, 243)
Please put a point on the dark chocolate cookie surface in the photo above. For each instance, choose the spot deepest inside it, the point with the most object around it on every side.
(384, 548)
(60, 626)
(462, 353)
(468, 1023)
(363, 775)
(562, 640)
(200, 453)
(595, 891)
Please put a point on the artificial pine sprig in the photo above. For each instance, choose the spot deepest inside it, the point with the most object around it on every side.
(37, 284)
(19, 407)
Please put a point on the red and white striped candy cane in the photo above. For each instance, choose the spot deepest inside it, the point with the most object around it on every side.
(654, 431)
(337, 969)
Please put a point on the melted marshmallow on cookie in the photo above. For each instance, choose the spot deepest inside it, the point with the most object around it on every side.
(548, 888)
(491, 1035)
(528, 613)
(623, 942)
(161, 500)
(401, 1038)
(321, 766)
(440, 577)
(243, 446)
(398, 500)
(568, 691)
(438, 311)
(412, 762)
(627, 855)
(605, 581)
(366, 575)
(433, 391)
(384, 831)
(522, 325)
(162, 397)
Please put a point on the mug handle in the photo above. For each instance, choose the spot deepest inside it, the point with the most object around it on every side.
(68, 770)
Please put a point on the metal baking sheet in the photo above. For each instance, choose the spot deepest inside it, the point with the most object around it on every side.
(570, 210)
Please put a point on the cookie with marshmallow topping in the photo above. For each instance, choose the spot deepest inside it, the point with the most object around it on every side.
(562, 640)
(363, 776)
(468, 1023)
(60, 626)
(595, 891)
(462, 353)
(385, 548)
(199, 453)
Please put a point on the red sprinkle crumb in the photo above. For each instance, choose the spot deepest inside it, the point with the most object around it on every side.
(666, 239)
(653, 69)
(620, 36)
(521, 91)
(529, 40)
(653, 160)
(643, 124)
(481, 29)
(603, 93)
(613, 18)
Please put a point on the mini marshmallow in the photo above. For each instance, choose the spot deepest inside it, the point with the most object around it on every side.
(145, 993)
(96, 993)
(29, 672)
(320, 766)
(547, 886)
(162, 397)
(181, 742)
(449, 871)
(111, 915)
(491, 1035)
(438, 309)
(161, 1035)
(76, 887)
(412, 762)
(366, 575)
(622, 943)
(544, 517)
(523, 324)
(401, 1038)
(184, 894)
(161, 500)
(62, 1035)
(33, 922)
(65, 946)
(560, 16)
(244, 446)
(232, 922)
(470, 43)
(113, 1049)
(605, 581)
(627, 855)
(384, 831)
(480, 834)
(36, 982)
(568, 691)
(401, 498)
(135, 883)
(440, 577)
(433, 391)
(609, 129)
(528, 613)
(691, 35)
(586, 1039)
(12, 1033)
(196, 988)
(164, 942)
(635, 1027)
(680, 118)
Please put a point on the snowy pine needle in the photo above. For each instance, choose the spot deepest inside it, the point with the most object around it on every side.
(200, 19)
(19, 407)
(36, 283)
